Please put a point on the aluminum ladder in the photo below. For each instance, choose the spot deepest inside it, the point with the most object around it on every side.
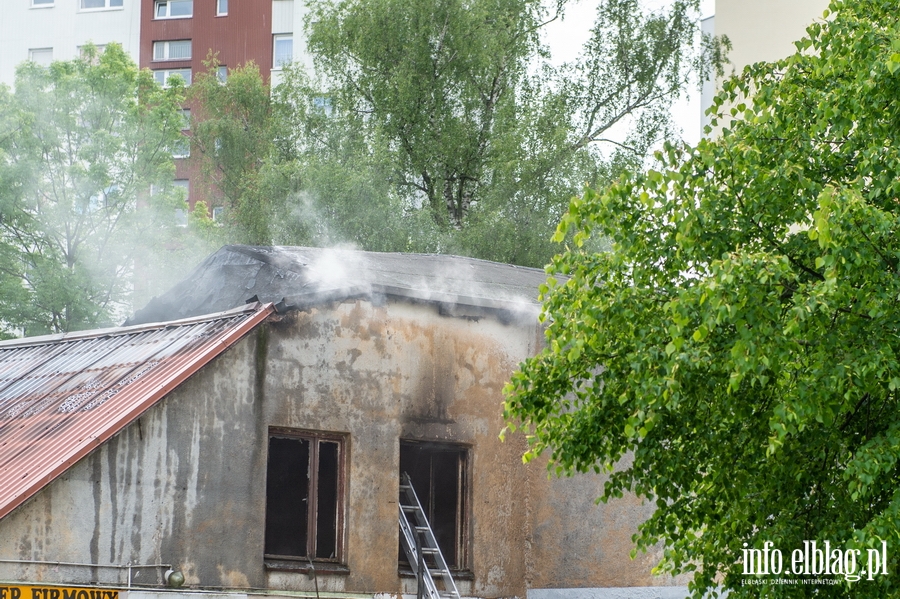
(421, 547)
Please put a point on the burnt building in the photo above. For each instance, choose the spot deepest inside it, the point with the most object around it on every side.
(249, 430)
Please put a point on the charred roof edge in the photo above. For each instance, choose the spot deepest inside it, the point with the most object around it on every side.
(507, 309)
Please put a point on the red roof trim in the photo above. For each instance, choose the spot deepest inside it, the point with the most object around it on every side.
(93, 333)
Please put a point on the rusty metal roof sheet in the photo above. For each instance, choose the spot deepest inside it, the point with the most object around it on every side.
(61, 396)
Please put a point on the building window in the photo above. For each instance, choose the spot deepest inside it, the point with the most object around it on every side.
(93, 4)
(218, 214)
(222, 7)
(42, 3)
(172, 50)
(182, 147)
(162, 76)
(185, 115)
(98, 50)
(305, 496)
(183, 188)
(322, 104)
(41, 56)
(284, 50)
(173, 9)
(439, 475)
(222, 73)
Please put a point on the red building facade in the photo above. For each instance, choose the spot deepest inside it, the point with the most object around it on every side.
(177, 36)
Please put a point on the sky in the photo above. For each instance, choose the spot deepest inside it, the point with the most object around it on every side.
(566, 36)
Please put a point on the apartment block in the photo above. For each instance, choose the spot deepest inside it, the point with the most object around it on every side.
(178, 36)
(47, 30)
(172, 38)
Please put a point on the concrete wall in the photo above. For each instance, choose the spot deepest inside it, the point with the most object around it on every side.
(764, 30)
(185, 484)
(288, 16)
(62, 27)
(577, 543)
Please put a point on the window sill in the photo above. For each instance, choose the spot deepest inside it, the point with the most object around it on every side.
(104, 9)
(40, 6)
(406, 572)
(302, 567)
(173, 18)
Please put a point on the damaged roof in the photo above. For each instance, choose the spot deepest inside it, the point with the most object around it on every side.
(61, 396)
(299, 277)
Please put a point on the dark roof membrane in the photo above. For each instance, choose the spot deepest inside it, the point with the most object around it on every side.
(299, 278)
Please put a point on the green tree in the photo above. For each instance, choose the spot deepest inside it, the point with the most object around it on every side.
(232, 127)
(81, 142)
(446, 103)
(341, 177)
(289, 170)
(736, 353)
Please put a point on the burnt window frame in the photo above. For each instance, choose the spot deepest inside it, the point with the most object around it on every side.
(462, 568)
(293, 562)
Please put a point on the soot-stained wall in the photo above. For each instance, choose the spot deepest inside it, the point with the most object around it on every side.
(185, 484)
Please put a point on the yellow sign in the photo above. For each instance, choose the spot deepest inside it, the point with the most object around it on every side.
(33, 592)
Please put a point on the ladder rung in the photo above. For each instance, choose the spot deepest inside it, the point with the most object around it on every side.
(427, 544)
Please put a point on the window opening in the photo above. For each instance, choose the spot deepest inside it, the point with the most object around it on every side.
(183, 189)
(41, 56)
(438, 472)
(182, 147)
(172, 50)
(284, 50)
(304, 503)
(89, 4)
(322, 104)
(99, 49)
(173, 9)
(162, 76)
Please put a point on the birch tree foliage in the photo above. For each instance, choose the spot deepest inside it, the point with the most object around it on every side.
(81, 142)
(476, 129)
(742, 339)
(233, 129)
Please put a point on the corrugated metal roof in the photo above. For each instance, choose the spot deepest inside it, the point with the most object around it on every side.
(61, 396)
